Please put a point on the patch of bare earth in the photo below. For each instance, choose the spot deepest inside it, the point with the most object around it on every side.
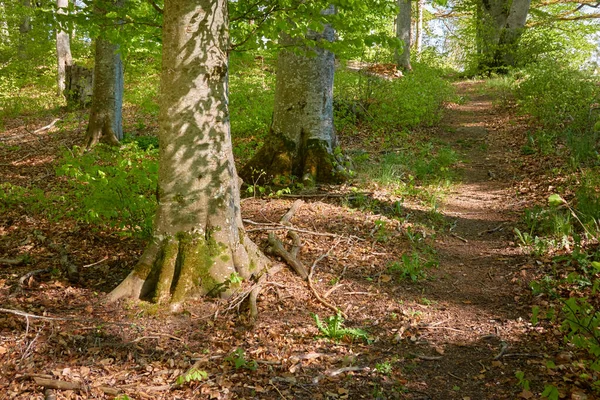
(461, 334)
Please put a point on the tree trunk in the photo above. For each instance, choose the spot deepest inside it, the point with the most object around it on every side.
(403, 23)
(302, 141)
(419, 33)
(63, 49)
(24, 29)
(199, 240)
(499, 27)
(515, 25)
(105, 123)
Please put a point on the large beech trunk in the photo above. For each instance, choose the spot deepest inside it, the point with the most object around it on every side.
(198, 241)
(63, 49)
(106, 123)
(302, 139)
(499, 28)
(403, 25)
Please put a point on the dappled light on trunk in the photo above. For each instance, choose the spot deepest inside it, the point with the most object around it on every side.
(199, 245)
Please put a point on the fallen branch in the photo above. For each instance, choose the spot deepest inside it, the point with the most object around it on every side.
(47, 127)
(334, 372)
(278, 249)
(462, 239)
(503, 349)
(33, 273)
(314, 290)
(28, 315)
(12, 261)
(75, 386)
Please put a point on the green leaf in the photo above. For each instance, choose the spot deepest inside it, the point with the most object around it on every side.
(550, 392)
(555, 200)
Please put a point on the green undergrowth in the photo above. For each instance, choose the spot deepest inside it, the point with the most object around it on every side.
(112, 187)
(564, 236)
(251, 96)
(108, 187)
(397, 104)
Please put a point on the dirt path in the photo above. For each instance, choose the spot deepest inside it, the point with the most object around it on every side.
(477, 310)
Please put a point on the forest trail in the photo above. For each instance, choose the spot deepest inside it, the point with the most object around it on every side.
(481, 322)
(460, 334)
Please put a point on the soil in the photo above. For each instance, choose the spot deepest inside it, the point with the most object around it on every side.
(462, 333)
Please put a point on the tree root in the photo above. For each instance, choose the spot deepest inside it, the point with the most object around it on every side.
(290, 257)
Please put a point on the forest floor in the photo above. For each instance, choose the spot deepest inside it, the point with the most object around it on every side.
(463, 333)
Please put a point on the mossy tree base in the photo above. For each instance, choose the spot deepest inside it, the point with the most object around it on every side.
(279, 161)
(174, 268)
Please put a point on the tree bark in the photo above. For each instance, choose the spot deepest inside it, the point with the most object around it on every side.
(302, 141)
(199, 239)
(403, 25)
(499, 28)
(63, 49)
(24, 29)
(106, 123)
(419, 33)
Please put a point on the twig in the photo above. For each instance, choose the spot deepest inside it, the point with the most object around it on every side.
(156, 336)
(496, 229)
(33, 273)
(27, 315)
(456, 377)
(276, 388)
(427, 358)
(96, 263)
(503, 348)
(314, 290)
(462, 239)
(47, 127)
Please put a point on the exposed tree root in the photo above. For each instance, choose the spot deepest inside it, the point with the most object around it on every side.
(291, 256)
(175, 267)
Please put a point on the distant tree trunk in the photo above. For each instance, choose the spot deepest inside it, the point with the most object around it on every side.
(105, 123)
(24, 29)
(199, 240)
(499, 28)
(403, 25)
(63, 49)
(419, 33)
(302, 139)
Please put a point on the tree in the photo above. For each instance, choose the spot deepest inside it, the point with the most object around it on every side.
(403, 25)
(500, 24)
(419, 26)
(63, 48)
(302, 141)
(199, 243)
(106, 123)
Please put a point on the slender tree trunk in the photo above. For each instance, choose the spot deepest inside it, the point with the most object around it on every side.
(199, 239)
(403, 25)
(24, 29)
(63, 49)
(302, 139)
(419, 33)
(105, 123)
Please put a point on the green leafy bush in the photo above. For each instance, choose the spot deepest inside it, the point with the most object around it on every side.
(559, 96)
(112, 187)
(407, 102)
(251, 97)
